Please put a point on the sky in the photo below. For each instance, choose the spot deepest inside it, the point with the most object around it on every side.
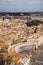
(21, 5)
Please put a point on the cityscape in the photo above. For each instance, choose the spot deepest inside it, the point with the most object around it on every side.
(21, 32)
